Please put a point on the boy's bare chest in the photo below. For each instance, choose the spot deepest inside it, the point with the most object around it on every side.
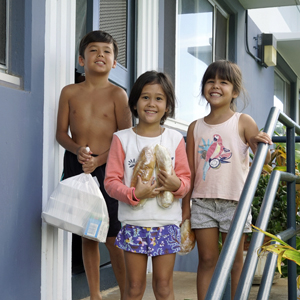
(91, 107)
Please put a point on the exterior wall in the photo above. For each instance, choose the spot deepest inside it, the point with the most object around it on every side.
(258, 81)
(21, 131)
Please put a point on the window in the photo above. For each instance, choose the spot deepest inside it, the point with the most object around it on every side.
(117, 17)
(3, 34)
(202, 34)
(11, 37)
(282, 89)
(113, 19)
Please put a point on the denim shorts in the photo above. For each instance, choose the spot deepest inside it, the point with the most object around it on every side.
(211, 213)
(152, 241)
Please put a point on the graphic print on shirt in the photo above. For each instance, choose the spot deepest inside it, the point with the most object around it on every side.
(132, 162)
(214, 154)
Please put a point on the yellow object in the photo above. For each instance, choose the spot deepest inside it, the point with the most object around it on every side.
(270, 56)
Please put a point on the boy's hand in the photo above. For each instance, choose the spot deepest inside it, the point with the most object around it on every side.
(90, 165)
(146, 190)
(168, 182)
(83, 155)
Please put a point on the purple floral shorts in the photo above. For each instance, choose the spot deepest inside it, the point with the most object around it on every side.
(151, 241)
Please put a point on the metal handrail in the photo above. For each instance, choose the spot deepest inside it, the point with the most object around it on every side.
(229, 249)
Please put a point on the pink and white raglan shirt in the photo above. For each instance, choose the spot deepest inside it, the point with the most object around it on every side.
(123, 154)
(221, 160)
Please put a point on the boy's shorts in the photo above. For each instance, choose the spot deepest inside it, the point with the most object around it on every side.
(152, 241)
(72, 168)
(211, 213)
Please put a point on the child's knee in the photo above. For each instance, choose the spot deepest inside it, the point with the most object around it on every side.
(162, 287)
(208, 260)
(135, 288)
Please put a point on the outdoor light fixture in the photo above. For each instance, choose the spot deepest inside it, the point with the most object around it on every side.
(266, 49)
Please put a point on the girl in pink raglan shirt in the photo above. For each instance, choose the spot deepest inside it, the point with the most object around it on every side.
(218, 155)
(149, 230)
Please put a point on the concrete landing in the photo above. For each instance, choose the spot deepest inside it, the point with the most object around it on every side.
(185, 288)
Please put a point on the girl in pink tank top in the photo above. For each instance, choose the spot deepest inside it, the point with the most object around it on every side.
(217, 149)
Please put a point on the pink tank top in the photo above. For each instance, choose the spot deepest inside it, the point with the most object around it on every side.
(221, 160)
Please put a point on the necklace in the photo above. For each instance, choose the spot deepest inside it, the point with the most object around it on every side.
(136, 138)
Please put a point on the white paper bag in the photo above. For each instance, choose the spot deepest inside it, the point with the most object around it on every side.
(77, 205)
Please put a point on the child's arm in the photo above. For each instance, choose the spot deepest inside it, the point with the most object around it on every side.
(122, 111)
(253, 136)
(114, 173)
(62, 135)
(190, 148)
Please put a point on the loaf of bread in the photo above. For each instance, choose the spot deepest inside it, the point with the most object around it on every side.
(163, 163)
(188, 238)
(144, 168)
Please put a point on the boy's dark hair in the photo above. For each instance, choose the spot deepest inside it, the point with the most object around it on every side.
(225, 70)
(98, 36)
(153, 77)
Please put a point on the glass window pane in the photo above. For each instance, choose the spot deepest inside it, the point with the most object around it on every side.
(193, 55)
(279, 92)
(113, 19)
(3, 32)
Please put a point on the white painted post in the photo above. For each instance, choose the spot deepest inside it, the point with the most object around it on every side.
(59, 71)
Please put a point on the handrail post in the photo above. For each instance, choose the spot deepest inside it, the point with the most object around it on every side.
(226, 258)
(291, 208)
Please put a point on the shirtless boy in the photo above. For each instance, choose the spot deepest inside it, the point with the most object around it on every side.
(93, 110)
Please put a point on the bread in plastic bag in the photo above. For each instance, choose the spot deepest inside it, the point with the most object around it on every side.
(144, 168)
(188, 238)
(163, 163)
(77, 205)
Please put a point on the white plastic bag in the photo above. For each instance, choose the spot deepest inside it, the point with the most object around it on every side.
(77, 205)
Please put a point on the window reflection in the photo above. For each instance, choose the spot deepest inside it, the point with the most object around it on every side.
(194, 54)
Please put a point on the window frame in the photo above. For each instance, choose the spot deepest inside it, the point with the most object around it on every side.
(216, 7)
(6, 78)
(287, 91)
(4, 68)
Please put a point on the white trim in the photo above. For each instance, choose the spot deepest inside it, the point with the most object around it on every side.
(177, 124)
(147, 52)
(10, 79)
(59, 71)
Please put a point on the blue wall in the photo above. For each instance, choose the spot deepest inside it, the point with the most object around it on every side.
(21, 132)
(258, 81)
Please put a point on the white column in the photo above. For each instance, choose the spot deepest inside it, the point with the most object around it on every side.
(59, 71)
(147, 40)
